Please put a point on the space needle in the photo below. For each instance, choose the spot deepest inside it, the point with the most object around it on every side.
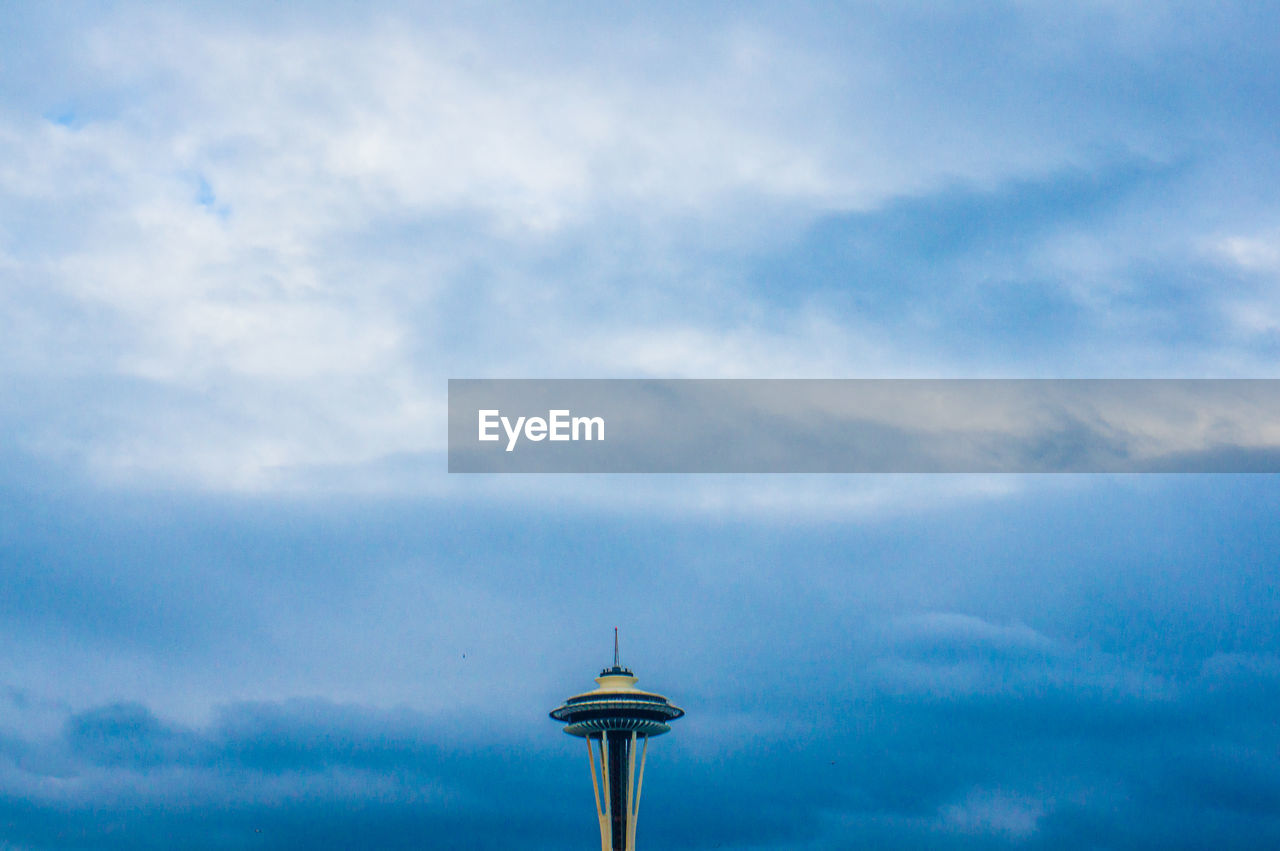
(615, 718)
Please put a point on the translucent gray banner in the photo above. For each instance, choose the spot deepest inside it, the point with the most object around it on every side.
(864, 426)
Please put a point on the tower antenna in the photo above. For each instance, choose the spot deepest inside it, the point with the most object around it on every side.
(615, 647)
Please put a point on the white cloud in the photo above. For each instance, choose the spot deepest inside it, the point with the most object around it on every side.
(309, 227)
(997, 811)
(1255, 309)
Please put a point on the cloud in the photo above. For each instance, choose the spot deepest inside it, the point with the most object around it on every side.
(242, 247)
(273, 777)
(917, 678)
(991, 768)
(277, 237)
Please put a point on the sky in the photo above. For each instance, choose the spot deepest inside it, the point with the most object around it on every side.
(244, 246)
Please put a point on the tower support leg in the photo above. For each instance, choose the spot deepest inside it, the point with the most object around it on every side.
(602, 814)
(635, 801)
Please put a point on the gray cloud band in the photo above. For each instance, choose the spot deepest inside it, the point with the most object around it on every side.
(864, 426)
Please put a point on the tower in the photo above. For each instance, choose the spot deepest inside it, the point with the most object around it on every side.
(616, 718)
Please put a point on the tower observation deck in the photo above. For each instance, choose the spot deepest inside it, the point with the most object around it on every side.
(615, 718)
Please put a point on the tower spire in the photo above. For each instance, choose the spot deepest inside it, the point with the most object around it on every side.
(615, 648)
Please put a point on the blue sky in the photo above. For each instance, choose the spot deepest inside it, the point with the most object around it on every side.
(242, 249)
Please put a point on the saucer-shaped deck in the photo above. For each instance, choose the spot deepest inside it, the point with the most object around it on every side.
(616, 705)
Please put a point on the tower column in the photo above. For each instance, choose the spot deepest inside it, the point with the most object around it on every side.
(619, 771)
